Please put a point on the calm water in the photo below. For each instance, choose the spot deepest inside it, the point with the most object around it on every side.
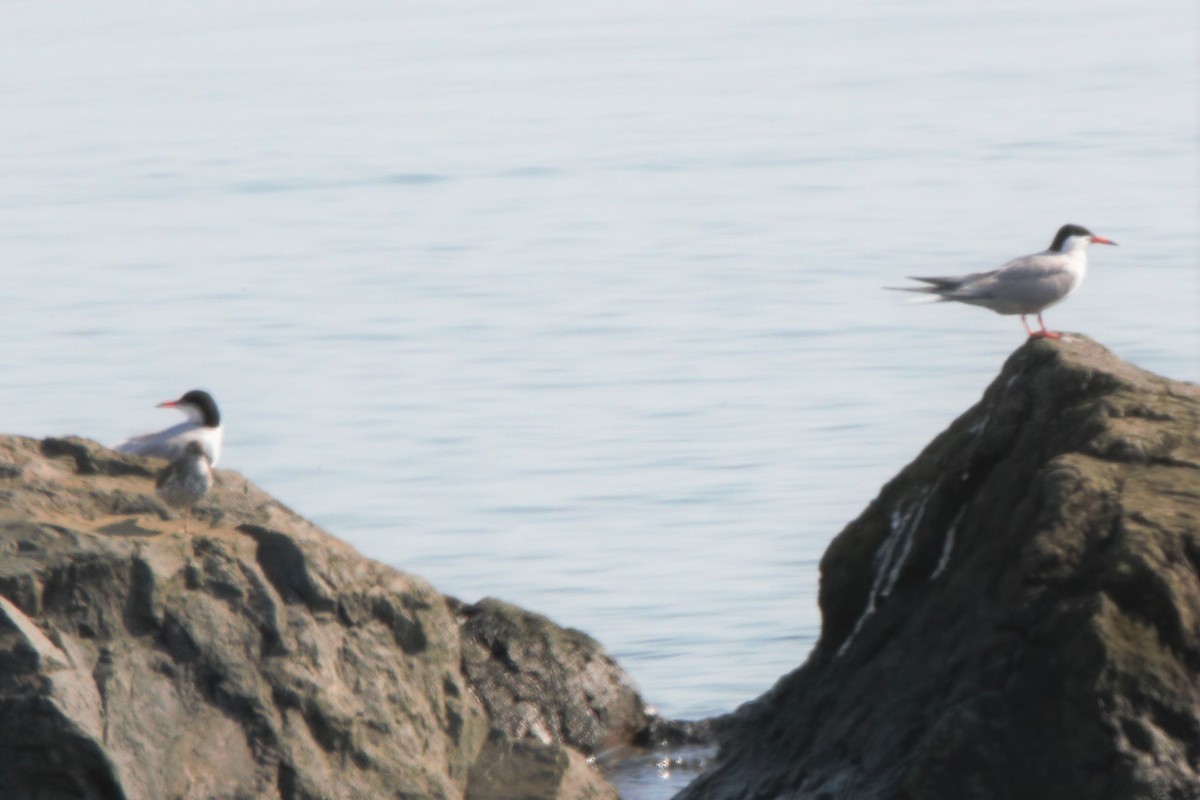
(578, 305)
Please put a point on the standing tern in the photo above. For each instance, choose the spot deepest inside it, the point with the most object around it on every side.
(186, 479)
(203, 425)
(1026, 285)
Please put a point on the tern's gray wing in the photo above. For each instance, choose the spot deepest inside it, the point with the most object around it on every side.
(169, 444)
(164, 443)
(1037, 267)
(949, 283)
(1024, 285)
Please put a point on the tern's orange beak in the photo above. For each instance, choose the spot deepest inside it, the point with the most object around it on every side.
(1102, 240)
(168, 404)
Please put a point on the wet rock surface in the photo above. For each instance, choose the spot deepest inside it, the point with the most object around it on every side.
(1016, 615)
(259, 656)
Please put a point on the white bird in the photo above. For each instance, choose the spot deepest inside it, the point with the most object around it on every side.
(186, 479)
(203, 425)
(1026, 285)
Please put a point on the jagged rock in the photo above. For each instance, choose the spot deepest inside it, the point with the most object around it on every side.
(541, 681)
(258, 658)
(1017, 615)
(554, 684)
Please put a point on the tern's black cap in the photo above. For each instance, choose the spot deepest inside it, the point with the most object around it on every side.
(1066, 232)
(203, 401)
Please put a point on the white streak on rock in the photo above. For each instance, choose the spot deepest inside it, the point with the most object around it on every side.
(948, 544)
(903, 527)
(890, 558)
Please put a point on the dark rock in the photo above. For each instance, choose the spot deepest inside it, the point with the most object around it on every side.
(1017, 615)
(90, 460)
(258, 658)
(554, 684)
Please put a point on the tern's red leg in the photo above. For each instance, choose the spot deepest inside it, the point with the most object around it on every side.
(1045, 333)
(1025, 325)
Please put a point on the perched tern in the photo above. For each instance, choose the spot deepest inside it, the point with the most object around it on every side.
(186, 479)
(1026, 285)
(203, 425)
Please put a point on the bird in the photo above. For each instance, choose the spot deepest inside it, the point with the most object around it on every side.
(203, 425)
(186, 479)
(1026, 285)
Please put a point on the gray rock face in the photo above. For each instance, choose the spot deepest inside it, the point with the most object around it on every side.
(1017, 615)
(257, 658)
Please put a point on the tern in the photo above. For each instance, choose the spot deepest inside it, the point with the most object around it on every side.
(1026, 285)
(186, 479)
(203, 425)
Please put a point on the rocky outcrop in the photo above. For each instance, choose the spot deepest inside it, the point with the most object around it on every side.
(521, 665)
(1017, 615)
(261, 657)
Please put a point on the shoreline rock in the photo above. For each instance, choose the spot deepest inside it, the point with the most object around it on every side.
(1017, 614)
(261, 657)
(521, 664)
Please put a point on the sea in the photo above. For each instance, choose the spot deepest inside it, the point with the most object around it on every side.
(580, 305)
